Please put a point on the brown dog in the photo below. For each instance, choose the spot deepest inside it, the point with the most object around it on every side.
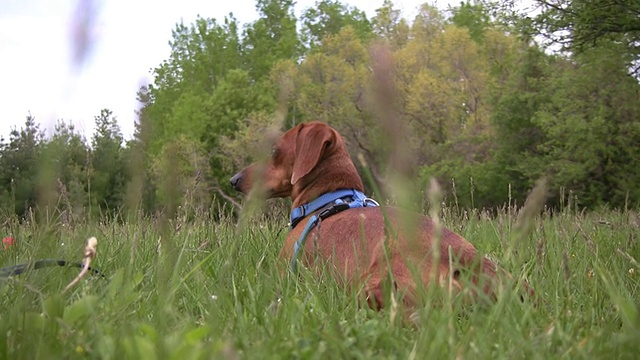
(363, 244)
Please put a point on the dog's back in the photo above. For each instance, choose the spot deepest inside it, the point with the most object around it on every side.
(368, 245)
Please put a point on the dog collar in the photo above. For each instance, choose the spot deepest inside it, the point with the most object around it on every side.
(329, 204)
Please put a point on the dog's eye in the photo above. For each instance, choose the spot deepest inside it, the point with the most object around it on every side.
(274, 152)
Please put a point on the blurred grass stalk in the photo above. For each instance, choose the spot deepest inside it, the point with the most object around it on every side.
(255, 201)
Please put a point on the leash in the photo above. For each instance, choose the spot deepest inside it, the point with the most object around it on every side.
(41, 264)
(328, 204)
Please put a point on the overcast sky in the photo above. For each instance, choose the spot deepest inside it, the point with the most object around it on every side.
(40, 75)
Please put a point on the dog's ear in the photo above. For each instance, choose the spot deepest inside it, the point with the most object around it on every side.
(311, 143)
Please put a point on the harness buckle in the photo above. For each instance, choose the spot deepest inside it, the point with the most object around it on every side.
(336, 208)
(370, 202)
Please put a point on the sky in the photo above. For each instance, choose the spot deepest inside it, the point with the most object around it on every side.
(44, 74)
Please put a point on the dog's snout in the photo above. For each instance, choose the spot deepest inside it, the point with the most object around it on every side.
(236, 181)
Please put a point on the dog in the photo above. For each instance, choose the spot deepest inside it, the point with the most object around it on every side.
(363, 244)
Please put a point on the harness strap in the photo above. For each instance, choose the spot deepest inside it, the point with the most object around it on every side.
(329, 204)
(302, 211)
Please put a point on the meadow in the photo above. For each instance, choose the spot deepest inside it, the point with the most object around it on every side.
(203, 288)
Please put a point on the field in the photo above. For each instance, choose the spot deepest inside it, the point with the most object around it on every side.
(201, 288)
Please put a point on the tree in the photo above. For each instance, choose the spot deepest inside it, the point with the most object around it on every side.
(465, 67)
(472, 16)
(578, 25)
(107, 179)
(389, 25)
(570, 116)
(201, 56)
(428, 23)
(234, 101)
(328, 17)
(271, 38)
(515, 102)
(333, 85)
(591, 131)
(66, 155)
(19, 160)
(433, 107)
(443, 81)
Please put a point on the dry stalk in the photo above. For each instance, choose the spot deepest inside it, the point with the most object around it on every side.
(590, 244)
(89, 254)
(525, 224)
(435, 197)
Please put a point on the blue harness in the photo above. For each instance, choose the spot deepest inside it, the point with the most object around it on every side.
(328, 204)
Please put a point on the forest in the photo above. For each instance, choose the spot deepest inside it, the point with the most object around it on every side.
(493, 99)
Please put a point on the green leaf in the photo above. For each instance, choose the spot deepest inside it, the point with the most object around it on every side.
(54, 307)
(81, 309)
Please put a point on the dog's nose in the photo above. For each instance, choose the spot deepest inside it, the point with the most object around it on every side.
(236, 181)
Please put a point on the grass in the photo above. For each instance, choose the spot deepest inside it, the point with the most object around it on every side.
(203, 289)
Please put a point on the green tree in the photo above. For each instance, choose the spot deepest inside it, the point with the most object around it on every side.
(211, 83)
(592, 130)
(271, 38)
(201, 56)
(515, 102)
(232, 103)
(582, 24)
(473, 16)
(67, 156)
(333, 85)
(389, 25)
(141, 185)
(19, 160)
(444, 79)
(428, 23)
(107, 180)
(328, 17)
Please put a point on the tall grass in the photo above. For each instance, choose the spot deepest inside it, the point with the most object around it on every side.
(224, 295)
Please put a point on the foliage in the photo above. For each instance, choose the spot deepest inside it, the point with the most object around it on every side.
(516, 100)
(328, 17)
(484, 106)
(472, 16)
(235, 100)
(579, 25)
(390, 26)
(63, 175)
(69, 161)
(591, 131)
(108, 167)
(271, 38)
(19, 164)
(201, 56)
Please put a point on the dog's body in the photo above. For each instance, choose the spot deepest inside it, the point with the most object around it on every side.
(363, 246)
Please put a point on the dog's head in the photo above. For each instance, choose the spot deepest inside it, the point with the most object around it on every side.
(297, 157)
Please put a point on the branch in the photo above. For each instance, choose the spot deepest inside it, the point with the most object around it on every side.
(372, 166)
(226, 197)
